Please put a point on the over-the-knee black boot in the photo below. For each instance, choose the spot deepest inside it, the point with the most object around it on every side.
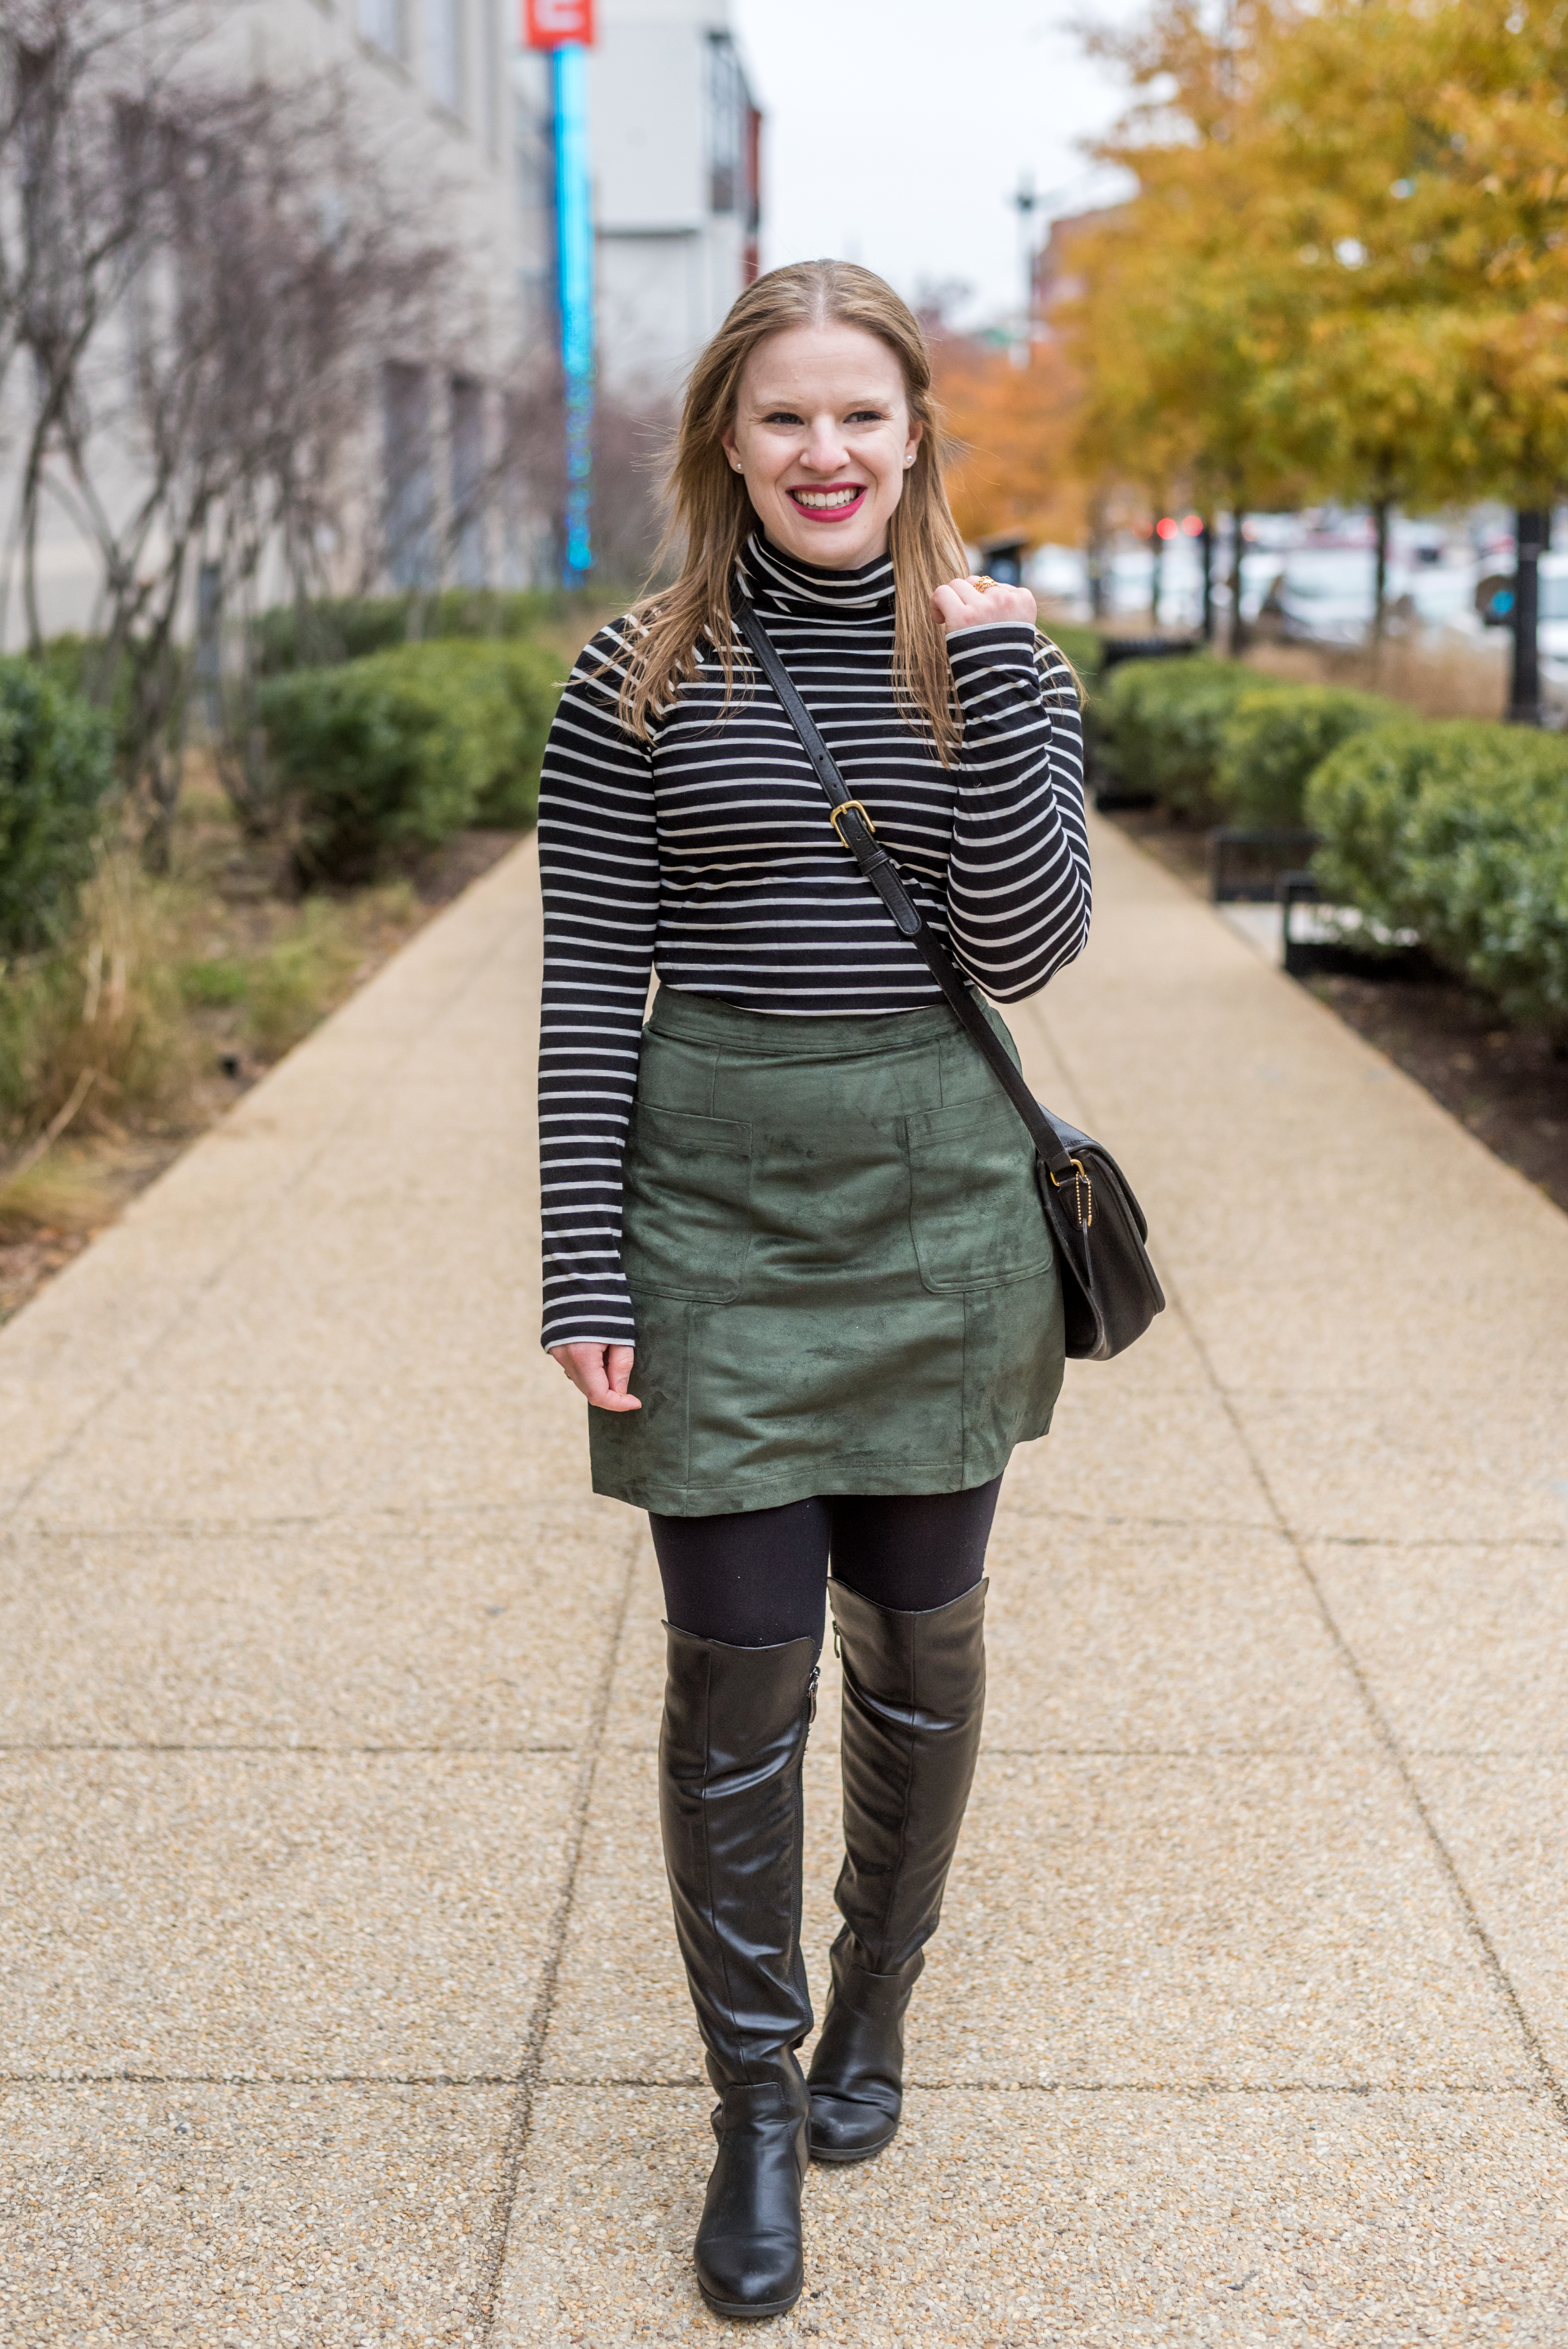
(734, 1738)
(914, 1691)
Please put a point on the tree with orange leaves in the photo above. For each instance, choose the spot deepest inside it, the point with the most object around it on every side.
(1015, 430)
(1345, 270)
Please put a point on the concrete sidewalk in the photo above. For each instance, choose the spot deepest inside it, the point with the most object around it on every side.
(340, 2004)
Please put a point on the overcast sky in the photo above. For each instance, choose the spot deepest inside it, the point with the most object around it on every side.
(897, 130)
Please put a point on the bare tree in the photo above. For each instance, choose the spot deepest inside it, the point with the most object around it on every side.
(302, 279)
(73, 195)
(212, 277)
(54, 222)
(633, 433)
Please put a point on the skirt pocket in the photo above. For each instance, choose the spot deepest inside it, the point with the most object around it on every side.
(687, 1228)
(974, 1215)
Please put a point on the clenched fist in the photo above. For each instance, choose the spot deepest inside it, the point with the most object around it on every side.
(966, 604)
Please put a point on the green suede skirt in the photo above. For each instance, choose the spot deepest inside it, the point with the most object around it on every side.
(841, 1268)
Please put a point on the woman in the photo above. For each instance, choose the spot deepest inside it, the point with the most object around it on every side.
(831, 1309)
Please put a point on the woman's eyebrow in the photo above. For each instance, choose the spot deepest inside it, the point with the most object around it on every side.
(858, 400)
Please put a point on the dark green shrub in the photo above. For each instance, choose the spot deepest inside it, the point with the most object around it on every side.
(1162, 724)
(506, 694)
(330, 630)
(384, 759)
(1488, 879)
(326, 633)
(57, 769)
(1458, 831)
(379, 766)
(1357, 801)
(1274, 738)
(1085, 647)
(533, 678)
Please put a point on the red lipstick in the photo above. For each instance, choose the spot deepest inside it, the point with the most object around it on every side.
(831, 501)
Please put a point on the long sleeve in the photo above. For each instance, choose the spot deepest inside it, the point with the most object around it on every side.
(708, 854)
(1018, 891)
(599, 864)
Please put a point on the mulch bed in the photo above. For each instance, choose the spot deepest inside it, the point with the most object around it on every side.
(1507, 1086)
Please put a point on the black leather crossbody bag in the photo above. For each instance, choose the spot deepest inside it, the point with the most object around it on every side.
(1109, 1290)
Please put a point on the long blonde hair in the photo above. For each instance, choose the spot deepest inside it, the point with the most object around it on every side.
(711, 516)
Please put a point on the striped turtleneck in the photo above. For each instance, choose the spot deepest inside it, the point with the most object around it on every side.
(705, 855)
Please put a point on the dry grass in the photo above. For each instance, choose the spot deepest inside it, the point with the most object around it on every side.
(1439, 673)
(69, 1191)
(167, 999)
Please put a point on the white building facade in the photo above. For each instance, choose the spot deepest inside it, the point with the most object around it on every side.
(676, 151)
(676, 138)
(429, 85)
(457, 111)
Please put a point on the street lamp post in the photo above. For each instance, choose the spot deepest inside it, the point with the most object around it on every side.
(1531, 537)
(1027, 201)
(574, 238)
(565, 28)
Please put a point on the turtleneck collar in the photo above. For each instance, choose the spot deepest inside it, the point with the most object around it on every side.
(782, 582)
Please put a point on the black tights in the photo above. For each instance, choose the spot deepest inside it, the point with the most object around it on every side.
(760, 1575)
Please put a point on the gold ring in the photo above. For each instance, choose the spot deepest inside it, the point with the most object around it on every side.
(981, 583)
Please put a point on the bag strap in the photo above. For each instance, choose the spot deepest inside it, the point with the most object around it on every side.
(857, 833)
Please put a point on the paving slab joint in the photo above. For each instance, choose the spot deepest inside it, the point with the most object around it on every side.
(187, 1300)
(515, 2147)
(1555, 2090)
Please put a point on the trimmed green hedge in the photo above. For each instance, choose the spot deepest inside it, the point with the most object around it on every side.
(1162, 724)
(382, 759)
(334, 629)
(1214, 739)
(1274, 739)
(57, 769)
(1458, 829)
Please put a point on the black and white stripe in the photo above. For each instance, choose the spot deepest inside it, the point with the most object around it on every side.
(708, 855)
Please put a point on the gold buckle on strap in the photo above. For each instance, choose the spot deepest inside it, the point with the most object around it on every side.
(844, 807)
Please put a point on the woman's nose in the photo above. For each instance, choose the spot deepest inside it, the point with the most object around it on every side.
(825, 452)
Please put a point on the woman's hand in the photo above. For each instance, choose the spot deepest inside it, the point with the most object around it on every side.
(964, 603)
(600, 1372)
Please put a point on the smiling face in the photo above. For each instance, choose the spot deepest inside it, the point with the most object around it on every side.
(822, 434)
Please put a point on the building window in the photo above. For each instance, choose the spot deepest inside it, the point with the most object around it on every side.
(410, 510)
(727, 103)
(381, 21)
(751, 258)
(492, 74)
(468, 445)
(444, 52)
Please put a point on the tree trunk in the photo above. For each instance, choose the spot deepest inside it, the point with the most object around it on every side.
(1238, 626)
(1206, 554)
(1096, 562)
(1531, 537)
(1381, 512)
(1156, 578)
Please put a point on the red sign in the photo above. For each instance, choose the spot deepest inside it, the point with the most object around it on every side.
(551, 24)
